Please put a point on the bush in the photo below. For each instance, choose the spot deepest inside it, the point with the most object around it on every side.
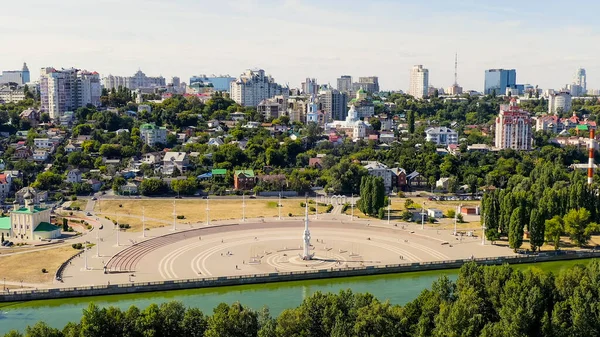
(121, 205)
(451, 213)
(431, 220)
(181, 217)
(302, 204)
(124, 226)
(329, 209)
(345, 207)
(381, 213)
(77, 246)
(73, 197)
(406, 216)
(312, 209)
(290, 214)
(44, 270)
(459, 218)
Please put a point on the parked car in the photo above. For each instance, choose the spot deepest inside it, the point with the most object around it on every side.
(101, 226)
(94, 198)
(10, 244)
(4, 243)
(88, 214)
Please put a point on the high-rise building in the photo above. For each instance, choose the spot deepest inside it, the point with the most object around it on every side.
(137, 81)
(253, 86)
(19, 77)
(513, 127)
(497, 80)
(176, 81)
(419, 81)
(334, 103)
(310, 86)
(559, 102)
(581, 79)
(344, 83)
(68, 89)
(219, 83)
(369, 84)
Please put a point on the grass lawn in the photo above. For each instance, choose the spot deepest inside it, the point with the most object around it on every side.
(28, 267)
(78, 203)
(194, 210)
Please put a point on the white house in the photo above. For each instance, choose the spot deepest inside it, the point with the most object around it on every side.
(173, 160)
(42, 143)
(378, 169)
(215, 142)
(441, 136)
(442, 183)
(435, 213)
(74, 176)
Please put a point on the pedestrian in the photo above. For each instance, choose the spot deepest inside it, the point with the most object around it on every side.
(221, 240)
(236, 267)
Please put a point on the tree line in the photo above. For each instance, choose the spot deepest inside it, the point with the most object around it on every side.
(498, 301)
(548, 203)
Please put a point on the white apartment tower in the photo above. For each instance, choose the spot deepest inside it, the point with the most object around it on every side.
(68, 89)
(253, 86)
(419, 81)
(513, 128)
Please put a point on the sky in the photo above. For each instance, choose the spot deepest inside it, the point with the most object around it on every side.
(545, 41)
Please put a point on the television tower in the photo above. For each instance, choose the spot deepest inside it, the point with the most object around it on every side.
(456, 69)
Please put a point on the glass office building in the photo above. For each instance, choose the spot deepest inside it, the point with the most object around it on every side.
(497, 80)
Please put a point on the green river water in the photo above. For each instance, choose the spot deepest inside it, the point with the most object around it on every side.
(398, 288)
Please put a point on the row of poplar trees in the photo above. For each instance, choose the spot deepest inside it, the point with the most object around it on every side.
(549, 193)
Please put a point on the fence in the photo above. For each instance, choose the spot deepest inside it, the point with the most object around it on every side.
(280, 277)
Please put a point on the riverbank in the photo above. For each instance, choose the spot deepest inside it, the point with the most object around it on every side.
(141, 287)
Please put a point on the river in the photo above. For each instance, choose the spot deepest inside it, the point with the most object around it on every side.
(398, 288)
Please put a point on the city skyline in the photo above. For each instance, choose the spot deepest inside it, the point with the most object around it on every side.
(305, 39)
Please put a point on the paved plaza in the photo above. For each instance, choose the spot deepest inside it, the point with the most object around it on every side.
(260, 246)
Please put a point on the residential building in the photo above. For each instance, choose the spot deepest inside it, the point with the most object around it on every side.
(139, 80)
(38, 196)
(11, 93)
(378, 169)
(310, 86)
(344, 83)
(253, 86)
(19, 77)
(269, 108)
(559, 102)
(31, 115)
(369, 84)
(419, 81)
(74, 176)
(68, 89)
(152, 134)
(5, 185)
(555, 124)
(42, 143)
(219, 83)
(243, 179)
(401, 178)
(497, 80)
(175, 160)
(513, 128)
(333, 102)
(442, 183)
(441, 136)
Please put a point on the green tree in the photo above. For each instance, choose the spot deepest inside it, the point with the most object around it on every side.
(515, 229)
(375, 123)
(537, 228)
(41, 329)
(232, 321)
(578, 226)
(410, 120)
(153, 186)
(372, 195)
(194, 323)
(554, 229)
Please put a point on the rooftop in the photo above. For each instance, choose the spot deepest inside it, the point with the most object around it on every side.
(45, 227)
(5, 223)
(25, 210)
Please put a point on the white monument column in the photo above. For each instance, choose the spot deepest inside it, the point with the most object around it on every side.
(306, 237)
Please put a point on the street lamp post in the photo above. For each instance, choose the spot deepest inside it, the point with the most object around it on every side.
(174, 217)
(143, 222)
(352, 206)
(423, 216)
(456, 218)
(85, 249)
(243, 206)
(279, 206)
(207, 212)
(389, 207)
(118, 230)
